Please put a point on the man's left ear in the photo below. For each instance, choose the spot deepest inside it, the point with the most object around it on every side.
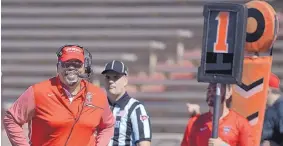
(228, 91)
(125, 81)
(57, 65)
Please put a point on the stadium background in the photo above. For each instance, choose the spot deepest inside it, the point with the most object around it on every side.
(159, 40)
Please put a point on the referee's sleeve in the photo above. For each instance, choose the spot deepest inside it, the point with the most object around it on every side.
(141, 124)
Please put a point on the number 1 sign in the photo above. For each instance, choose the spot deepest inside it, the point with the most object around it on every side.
(221, 45)
(224, 37)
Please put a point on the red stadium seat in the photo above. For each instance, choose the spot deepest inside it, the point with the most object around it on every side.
(152, 88)
(181, 76)
(142, 75)
(186, 63)
(132, 77)
(168, 62)
(157, 76)
(192, 55)
(139, 76)
(178, 75)
(132, 89)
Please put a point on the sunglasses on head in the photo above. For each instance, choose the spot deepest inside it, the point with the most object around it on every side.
(75, 64)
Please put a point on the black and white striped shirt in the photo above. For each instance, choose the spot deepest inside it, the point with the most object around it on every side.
(132, 122)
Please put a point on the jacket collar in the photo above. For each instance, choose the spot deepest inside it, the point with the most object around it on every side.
(122, 102)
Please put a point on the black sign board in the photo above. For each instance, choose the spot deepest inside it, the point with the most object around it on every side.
(224, 38)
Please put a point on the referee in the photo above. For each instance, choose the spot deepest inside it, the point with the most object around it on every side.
(132, 127)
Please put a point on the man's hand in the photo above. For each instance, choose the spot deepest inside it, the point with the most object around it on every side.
(217, 142)
(193, 109)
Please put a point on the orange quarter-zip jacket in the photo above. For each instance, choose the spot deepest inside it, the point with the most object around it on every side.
(55, 121)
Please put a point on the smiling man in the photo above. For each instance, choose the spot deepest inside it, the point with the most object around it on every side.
(234, 130)
(64, 110)
(132, 126)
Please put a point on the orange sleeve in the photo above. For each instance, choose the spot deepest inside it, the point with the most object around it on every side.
(18, 114)
(105, 129)
(92, 141)
(246, 137)
(186, 137)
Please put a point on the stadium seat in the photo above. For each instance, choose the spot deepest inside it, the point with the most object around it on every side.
(181, 76)
(138, 76)
(192, 54)
(175, 75)
(131, 88)
(152, 88)
(157, 76)
(186, 63)
(142, 75)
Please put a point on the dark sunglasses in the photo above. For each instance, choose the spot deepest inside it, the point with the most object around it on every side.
(74, 64)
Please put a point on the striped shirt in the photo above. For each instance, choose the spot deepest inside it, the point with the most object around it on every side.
(132, 122)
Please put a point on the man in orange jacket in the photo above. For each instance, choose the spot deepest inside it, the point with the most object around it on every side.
(64, 110)
(234, 130)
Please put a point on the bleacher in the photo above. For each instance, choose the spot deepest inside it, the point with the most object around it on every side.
(159, 40)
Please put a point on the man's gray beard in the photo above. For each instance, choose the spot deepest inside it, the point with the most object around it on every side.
(71, 80)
